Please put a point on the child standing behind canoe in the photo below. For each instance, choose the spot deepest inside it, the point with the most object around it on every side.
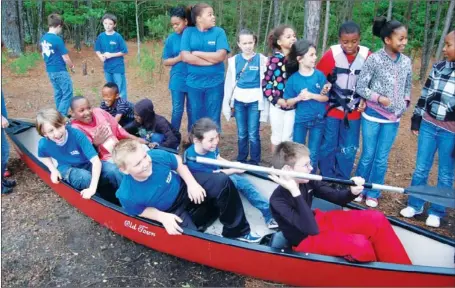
(205, 138)
(362, 236)
(78, 162)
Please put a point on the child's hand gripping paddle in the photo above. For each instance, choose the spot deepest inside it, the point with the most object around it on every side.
(437, 195)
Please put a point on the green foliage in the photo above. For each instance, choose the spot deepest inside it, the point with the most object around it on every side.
(4, 59)
(22, 64)
(147, 62)
(77, 92)
(158, 27)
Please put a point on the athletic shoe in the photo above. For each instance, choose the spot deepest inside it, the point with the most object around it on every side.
(359, 198)
(6, 190)
(372, 202)
(6, 173)
(250, 238)
(410, 212)
(433, 221)
(271, 224)
(8, 183)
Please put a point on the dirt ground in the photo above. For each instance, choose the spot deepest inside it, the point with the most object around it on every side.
(46, 242)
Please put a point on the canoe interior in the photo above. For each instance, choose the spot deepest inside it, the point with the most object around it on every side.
(422, 250)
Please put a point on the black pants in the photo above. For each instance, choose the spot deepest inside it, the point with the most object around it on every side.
(222, 191)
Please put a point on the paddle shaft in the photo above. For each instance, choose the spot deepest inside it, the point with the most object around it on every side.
(293, 174)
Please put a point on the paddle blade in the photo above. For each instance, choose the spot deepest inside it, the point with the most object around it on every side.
(437, 195)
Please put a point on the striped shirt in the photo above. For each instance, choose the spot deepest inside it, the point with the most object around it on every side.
(121, 106)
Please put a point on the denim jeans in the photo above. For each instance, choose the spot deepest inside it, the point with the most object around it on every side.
(339, 147)
(5, 151)
(120, 80)
(178, 104)
(432, 138)
(63, 90)
(80, 177)
(249, 142)
(206, 103)
(315, 130)
(377, 141)
(252, 195)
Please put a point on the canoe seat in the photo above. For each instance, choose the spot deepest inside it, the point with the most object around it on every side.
(203, 215)
(278, 241)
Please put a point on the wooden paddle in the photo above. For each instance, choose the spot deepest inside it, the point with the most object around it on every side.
(437, 195)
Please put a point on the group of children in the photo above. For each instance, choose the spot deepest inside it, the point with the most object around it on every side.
(326, 101)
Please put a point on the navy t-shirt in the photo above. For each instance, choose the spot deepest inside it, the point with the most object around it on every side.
(201, 167)
(250, 76)
(76, 152)
(211, 40)
(179, 70)
(159, 191)
(52, 49)
(112, 43)
(306, 110)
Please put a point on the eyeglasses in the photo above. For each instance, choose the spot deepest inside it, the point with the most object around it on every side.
(307, 166)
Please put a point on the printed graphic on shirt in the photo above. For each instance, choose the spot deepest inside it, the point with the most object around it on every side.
(211, 42)
(75, 152)
(46, 48)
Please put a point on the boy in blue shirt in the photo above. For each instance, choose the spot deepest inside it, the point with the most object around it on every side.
(152, 188)
(77, 160)
(56, 58)
(110, 49)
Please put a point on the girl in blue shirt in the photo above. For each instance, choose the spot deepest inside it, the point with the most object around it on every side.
(306, 89)
(173, 58)
(204, 48)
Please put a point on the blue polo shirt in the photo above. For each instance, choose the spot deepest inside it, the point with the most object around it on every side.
(159, 191)
(200, 167)
(112, 43)
(178, 72)
(76, 152)
(212, 40)
(250, 76)
(4, 111)
(52, 49)
(306, 110)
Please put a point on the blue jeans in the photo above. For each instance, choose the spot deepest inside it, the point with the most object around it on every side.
(5, 152)
(432, 138)
(377, 140)
(120, 80)
(315, 129)
(247, 118)
(252, 195)
(63, 90)
(206, 103)
(339, 147)
(80, 177)
(178, 104)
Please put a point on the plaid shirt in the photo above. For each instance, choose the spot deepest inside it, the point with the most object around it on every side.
(121, 106)
(438, 94)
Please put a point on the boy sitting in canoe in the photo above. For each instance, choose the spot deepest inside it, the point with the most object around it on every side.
(100, 127)
(78, 162)
(361, 236)
(153, 189)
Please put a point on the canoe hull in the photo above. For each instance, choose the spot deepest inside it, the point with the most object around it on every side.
(251, 260)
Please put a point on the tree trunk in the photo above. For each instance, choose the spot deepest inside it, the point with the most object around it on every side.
(409, 12)
(20, 13)
(426, 44)
(137, 31)
(240, 13)
(90, 30)
(430, 50)
(326, 26)
(77, 29)
(389, 11)
(220, 12)
(312, 21)
(446, 28)
(376, 6)
(40, 31)
(10, 28)
(260, 21)
(268, 23)
(276, 12)
(30, 27)
(346, 12)
(288, 6)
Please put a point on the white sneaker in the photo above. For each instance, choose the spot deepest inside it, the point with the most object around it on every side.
(410, 212)
(433, 221)
(359, 198)
(372, 202)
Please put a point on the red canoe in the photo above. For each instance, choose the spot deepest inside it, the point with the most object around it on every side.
(272, 259)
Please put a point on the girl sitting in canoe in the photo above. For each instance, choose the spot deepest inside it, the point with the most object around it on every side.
(100, 127)
(78, 162)
(205, 139)
(361, 236)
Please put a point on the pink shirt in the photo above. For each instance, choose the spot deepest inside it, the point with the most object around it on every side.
(101, 117)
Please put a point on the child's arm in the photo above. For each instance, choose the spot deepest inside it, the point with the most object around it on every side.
(100, 56)
(419, 109)
(96, 172)
(192, 59)
(341, 197)
(228, 171)
(363, 83)
(109, 55)
(195, 191)
(172, 61)
(55, 174)
(68, 61)
(212, 57)
(118, 117)
(171, 140)
(170, 221)
(271, 90)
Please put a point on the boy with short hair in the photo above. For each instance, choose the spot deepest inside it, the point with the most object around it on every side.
(153, 189)
(121, 109)
(110, 49)
(361, 236)
(56, 58)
